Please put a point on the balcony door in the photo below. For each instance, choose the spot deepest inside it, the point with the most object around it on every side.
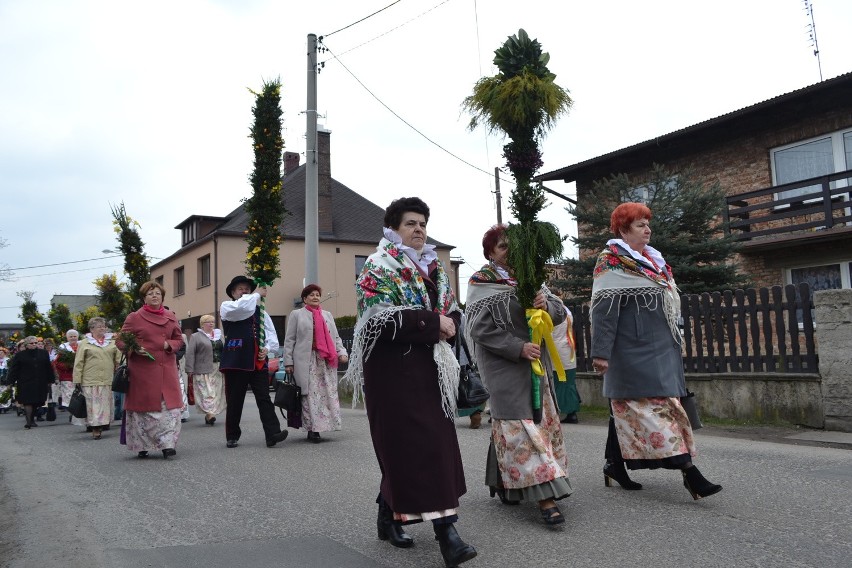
(812, 158)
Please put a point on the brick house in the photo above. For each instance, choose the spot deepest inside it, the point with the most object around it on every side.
(213, 249)
(786, 167)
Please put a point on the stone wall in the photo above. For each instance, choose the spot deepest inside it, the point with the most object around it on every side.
(759, 397)
(834, 336)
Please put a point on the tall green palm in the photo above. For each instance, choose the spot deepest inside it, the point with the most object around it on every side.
(523, 102)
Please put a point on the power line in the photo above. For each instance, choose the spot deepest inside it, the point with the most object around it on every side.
(411, 126)
(69, 262)
(385, 33)
(365, 18)
(66, 271)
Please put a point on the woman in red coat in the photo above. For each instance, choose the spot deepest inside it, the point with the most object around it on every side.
(153, 403)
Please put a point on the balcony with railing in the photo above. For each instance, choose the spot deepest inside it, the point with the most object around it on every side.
(809, 211)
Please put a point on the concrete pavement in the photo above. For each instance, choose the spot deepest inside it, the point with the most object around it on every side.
(79, 502)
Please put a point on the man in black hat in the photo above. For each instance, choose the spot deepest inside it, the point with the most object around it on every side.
(243, 360)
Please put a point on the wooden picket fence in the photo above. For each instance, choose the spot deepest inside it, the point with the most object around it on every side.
(766, 330)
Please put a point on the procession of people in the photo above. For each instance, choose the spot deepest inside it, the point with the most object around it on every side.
(403, 362)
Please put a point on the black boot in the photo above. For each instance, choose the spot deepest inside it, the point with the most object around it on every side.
(614, 471)
(453, 548)
(697, 485)
(390, 529)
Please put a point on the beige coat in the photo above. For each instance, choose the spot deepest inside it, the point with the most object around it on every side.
(299, 340)
(94, 366)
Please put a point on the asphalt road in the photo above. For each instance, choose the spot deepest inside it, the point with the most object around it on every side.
(67, 500)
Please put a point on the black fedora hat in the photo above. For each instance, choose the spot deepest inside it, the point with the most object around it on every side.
(239, 280)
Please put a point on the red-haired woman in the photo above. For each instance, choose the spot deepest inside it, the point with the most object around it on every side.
(312, 349)
(636, 346)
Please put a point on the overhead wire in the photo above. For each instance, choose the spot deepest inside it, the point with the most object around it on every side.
(411, 126)
(68, 262)
(385, 33)
(364, 18)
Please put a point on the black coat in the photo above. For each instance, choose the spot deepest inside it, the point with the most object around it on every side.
(415, 443)
(31, 370)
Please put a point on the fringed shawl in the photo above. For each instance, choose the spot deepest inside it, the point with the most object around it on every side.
(389, 284)
(620, 271)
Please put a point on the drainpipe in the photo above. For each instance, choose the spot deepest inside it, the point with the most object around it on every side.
(216, 279)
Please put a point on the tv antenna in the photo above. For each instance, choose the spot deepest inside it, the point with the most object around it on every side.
(812, 35)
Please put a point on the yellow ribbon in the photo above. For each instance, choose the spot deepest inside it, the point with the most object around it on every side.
(541, 327)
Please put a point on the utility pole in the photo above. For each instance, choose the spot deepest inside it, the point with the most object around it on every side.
(499, 203)
(311, 171)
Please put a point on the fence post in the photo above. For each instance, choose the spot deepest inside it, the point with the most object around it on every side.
(834, 336)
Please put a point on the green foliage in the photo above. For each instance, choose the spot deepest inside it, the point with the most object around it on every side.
(60, 317)
(113, 302)
(265, 208)
(82, 319)
(35, 323)
(528, 262)
(345, 322)
(686, 225)
(131, 246)
(523, 101)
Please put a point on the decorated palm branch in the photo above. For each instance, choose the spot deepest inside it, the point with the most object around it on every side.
(265, 208)
(523, 101)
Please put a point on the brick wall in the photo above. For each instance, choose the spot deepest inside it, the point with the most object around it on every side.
(741, 163)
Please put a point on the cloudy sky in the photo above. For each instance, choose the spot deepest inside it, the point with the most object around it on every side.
(147, 103)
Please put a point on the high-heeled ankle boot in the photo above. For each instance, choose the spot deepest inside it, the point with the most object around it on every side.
(391, 530)
(697, 485)
(615, 472)
(453, 548)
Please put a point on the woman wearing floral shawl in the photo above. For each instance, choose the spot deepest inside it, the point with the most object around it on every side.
(400, 357)
(526, 457)
(636, 346)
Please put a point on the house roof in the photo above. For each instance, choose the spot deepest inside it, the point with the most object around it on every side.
(822, 95)
(354, 218)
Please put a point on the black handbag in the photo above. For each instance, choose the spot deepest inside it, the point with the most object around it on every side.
(121, 378)
(691, 408)
(288, 395)
(77, 405)
(472, 392)
(51, 411)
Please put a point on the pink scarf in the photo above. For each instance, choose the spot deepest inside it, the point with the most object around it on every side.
(322, 337)
(159, 311)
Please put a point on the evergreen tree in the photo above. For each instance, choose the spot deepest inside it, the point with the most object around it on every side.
(131, 246)
(35, 323)
(60, 317)
(686, 229)
(113, 303)
(265, 208)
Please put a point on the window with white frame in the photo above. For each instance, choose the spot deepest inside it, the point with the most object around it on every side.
(811, 158)
(829, 276)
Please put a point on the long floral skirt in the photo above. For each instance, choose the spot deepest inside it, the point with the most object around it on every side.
(653, 432)
(184, 412)
(99, 405)
(320, 405)
(148, 431)
(209, 390)
(8, 403)
(66, 389)
(527, 459)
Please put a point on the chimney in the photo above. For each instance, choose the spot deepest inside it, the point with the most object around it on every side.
(326, 226)
(291, 162)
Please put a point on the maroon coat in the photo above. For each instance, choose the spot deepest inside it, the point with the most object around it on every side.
(415, 443)
(153, 381)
